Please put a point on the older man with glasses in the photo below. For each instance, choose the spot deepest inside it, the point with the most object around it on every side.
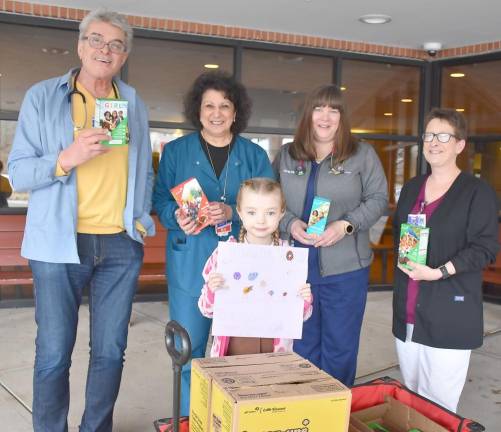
(88, 212)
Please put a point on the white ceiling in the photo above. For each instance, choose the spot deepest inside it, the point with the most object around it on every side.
(453, 23)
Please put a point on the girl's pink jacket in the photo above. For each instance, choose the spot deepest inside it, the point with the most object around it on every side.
(206, 305)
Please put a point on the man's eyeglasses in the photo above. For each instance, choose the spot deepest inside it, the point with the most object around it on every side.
(97, 41)
(442, 137)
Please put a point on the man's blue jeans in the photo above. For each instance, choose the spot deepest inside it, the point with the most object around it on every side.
(109, 265)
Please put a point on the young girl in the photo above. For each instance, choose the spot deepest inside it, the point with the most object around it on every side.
(260, 205)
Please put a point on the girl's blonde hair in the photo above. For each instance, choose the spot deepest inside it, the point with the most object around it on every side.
(260, 185)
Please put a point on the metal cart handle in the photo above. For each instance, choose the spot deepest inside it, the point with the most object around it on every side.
(181, 357)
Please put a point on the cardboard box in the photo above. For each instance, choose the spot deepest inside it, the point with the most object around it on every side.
(111, 114)
(193, 202)
(413, 244)
(203, 370)
(318, 215)
(264, 393)
(393, 416)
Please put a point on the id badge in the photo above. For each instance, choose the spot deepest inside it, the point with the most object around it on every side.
(418, 219)
(223, 228)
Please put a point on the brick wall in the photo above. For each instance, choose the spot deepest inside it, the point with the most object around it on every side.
(231, 32)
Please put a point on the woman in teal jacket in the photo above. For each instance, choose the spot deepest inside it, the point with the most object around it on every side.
(220, 160)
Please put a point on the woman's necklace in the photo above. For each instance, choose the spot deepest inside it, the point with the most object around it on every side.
(223, 197)
(223, 228)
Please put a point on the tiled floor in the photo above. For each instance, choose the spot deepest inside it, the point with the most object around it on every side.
(146, 392)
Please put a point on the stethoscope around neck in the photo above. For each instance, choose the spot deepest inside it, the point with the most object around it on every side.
(334, 169)
(74, 91)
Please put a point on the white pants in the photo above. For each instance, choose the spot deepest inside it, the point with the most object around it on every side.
(437, 374)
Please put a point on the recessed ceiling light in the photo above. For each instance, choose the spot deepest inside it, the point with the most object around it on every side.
(460, 109)
(211, 66)
(457, 75)
(342, 88)
(375, 19)
(388, 114)
(406, 100)
(55, 51)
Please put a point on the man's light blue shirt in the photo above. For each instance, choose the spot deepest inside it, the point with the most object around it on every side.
(44, 129)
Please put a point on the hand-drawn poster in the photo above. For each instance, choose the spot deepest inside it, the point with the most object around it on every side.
(260, 297)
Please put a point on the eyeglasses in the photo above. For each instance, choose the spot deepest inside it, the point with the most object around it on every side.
(97, 41)
(441, 136)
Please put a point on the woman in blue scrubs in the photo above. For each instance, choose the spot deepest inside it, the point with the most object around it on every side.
(220, 159)
(325, 160)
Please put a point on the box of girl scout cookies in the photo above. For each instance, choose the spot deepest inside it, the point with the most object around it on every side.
(193, 202)
(318, 215)
(413, 244)
(276, 392)
(111, 114)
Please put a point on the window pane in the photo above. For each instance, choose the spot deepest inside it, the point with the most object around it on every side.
(483, 159)
(278, 83)
(486, 164)
(476, 89)
(270, 143)
(382, 98)
(399, 160)
(161, 137)
(162, 72)
(28, 58)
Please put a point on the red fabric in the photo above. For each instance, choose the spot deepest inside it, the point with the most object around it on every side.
(165, 425)
(373, 393)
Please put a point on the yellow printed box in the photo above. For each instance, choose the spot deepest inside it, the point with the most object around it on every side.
(266, 392)
(204, 370)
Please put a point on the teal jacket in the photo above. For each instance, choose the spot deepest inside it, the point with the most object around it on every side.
(185, 158)
(44, 129)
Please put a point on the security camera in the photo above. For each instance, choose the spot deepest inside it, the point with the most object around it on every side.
(432, 48)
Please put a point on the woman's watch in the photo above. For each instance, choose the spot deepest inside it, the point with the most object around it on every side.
(444, 271)
(348, 228)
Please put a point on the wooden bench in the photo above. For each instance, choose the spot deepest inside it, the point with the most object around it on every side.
(15, 275)
(152, 277)
(16, 281)
(383, 252)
